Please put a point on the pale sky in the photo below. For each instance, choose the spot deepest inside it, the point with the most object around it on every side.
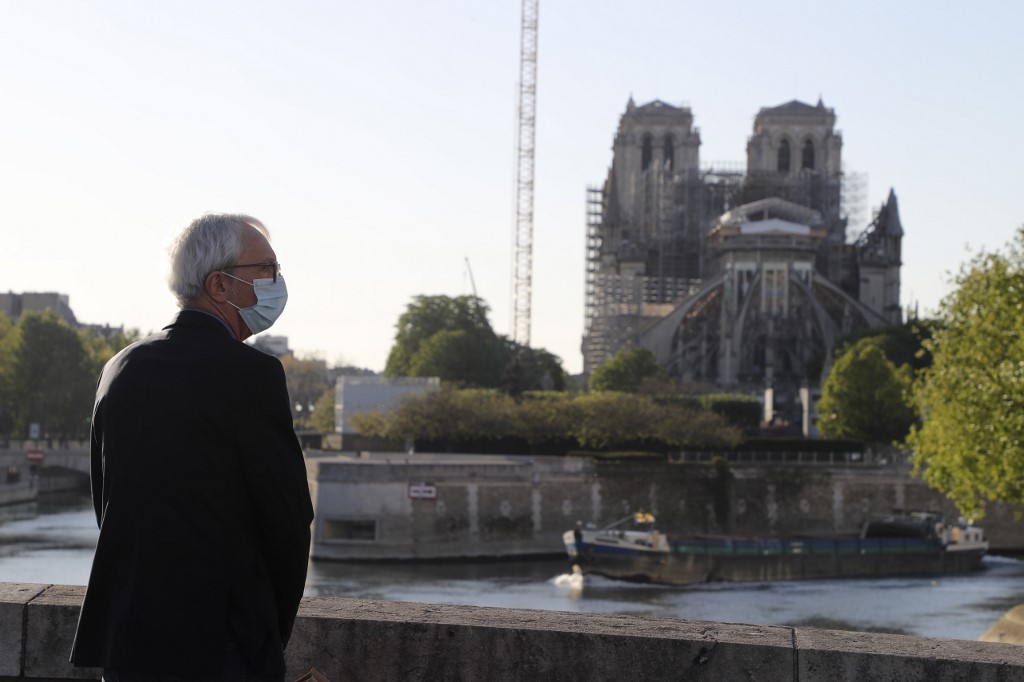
(377, 139)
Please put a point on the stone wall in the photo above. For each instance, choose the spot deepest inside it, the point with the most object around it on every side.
(374, 507)
(755, 499)
(389, 506)
(353, 639)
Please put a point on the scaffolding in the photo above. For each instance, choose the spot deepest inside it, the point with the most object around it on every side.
(645, 262)
(595, 343)
(665, 238)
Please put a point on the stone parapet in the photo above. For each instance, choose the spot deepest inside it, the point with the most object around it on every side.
(356, 639)
(1009, 628)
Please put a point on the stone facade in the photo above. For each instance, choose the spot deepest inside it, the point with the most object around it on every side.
(733, 277)
(13, 305)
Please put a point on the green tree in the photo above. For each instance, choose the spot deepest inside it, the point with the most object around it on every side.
(101, 346)
(865, 396)
(609, 419)
(629, 371)
(48, 372)
(322, 418)
(54, 377)
(468, 359)
(546, 417)
(464, 333)
(450, 338)
(903, 344)
(8, 343)
(742, 411)
(307, 379)
(970, 443)
(530, 369)
(447, 416)
(593, 421)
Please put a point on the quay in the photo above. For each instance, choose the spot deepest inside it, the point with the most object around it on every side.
(354, 639)
(374, 506)
(397, 506)
(31, 468)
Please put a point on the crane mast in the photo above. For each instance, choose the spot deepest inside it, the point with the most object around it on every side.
(522, 275)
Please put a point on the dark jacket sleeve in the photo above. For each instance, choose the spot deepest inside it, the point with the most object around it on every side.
(274, 473)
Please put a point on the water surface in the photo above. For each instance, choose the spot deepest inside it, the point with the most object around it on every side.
(53, 541)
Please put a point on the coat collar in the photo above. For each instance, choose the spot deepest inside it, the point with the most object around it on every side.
(193, 317)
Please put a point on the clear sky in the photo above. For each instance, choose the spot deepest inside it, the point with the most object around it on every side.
(377, 139)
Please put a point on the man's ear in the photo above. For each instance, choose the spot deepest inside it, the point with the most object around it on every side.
(217, 286)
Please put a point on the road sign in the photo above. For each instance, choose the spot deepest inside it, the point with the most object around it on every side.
(423, 491)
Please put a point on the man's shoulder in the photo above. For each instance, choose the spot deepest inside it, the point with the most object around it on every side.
(257, 356)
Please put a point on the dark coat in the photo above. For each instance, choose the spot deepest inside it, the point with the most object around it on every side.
(200, 491)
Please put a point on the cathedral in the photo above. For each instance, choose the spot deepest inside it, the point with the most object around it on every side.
(736, 278)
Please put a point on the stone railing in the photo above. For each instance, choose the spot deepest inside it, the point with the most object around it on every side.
(355, 639)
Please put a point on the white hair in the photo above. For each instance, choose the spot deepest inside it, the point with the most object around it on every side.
(210, 243)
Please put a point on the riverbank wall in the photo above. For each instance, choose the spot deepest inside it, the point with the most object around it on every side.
(354, 639)
(372, 506)
(32, 468)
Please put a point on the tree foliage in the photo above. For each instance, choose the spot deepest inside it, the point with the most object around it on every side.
(451, 338)
(307, 379)
(428, 316)
(607, 417)
(970, 443)
(865, 396)
(628, 371)
(593, 421)
(8, 341)
(902, 344)
(742, 411)
(322, 418)
(530, 369)
(48, 373)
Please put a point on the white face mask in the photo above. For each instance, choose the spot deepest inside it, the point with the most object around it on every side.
(271, 297)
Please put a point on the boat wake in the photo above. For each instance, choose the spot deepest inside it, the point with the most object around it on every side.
(571, 582)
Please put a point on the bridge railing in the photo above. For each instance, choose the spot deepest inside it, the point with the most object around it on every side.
(44, 444)
(841, 458)
(355, 639)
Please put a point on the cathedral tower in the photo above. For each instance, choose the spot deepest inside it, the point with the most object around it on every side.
(795, 154)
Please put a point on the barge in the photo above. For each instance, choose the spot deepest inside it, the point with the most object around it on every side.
(901, 544)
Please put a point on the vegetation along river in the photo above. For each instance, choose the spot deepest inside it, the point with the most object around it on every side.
(52, 541)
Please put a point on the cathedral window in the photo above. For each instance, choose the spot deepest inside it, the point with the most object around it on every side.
(784, 156)
(670, 153)
(807, 163)
(645, 154)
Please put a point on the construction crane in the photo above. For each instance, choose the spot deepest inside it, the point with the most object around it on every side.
(469, 270)
(522, 267)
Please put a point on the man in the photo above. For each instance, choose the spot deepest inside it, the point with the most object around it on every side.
(198, 480)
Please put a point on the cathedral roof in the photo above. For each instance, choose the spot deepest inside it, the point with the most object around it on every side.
(796, 107)
(658, 104)
(771, 207)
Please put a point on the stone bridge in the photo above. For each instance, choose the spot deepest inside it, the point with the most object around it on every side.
(73, 455)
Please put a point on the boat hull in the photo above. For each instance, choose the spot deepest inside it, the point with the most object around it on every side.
(690, 567)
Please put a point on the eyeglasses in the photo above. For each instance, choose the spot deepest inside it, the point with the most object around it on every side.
(267, 265)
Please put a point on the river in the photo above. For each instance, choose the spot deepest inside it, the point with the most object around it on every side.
(52, 542)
